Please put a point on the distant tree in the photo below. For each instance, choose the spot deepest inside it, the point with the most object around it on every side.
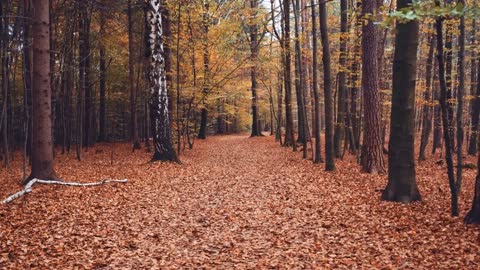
(161, 130)
(427, 108)
(402, 185)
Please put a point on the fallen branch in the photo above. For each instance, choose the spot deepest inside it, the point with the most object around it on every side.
(28, 187)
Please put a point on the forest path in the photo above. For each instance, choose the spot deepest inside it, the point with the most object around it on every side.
(234, 202)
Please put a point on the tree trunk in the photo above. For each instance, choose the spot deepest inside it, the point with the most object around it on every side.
(202, 133)
(473, 216)
(427, 107)
(445, 116)
(289, 133)
(327, 84)
(316, 96)
(372, 148)
(402, 186)
(131, 79)
(253, 31)
(42, 154)
(161, 130)
(103, 77)
(460, 94)
(475, 103)
(342, 81)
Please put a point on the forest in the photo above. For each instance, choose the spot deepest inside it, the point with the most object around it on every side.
(239, 134)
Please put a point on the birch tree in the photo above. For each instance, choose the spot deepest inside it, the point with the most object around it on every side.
(162, 136)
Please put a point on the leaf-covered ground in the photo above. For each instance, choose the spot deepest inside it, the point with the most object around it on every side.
(234, 202)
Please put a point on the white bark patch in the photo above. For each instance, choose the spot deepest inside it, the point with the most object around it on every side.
(28, 187)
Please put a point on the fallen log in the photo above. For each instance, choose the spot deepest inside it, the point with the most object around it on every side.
(28, 187)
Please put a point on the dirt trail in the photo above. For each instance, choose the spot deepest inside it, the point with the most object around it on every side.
(233, 203)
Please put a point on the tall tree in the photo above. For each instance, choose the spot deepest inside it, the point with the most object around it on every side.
(103, 76)
(202, 133)
(372, 148)
(402, 185)
(460, 94)
(427, 107)
(446, 114)
(289, 133)
(254, 49)
(42, 154)
(475, 103)
(342, 81)
(473, 216)
(161, 130)
(131, 80)
(327, 84)
(316, 96)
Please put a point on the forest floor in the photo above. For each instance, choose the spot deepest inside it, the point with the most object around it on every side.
(233, 203)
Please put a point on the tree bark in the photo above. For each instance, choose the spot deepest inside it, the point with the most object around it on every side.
(42, 154)
(445, 116)
(372, 148)
(161, 129)
(327, 84)
(131, 79)
(202, 133)
(475, 103)
(289, 132)
(253, 31)
(342, 81)
(427, 107)
(402, 185)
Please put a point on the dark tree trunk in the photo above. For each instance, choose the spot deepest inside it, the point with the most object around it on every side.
(316, 96)
(131, 79)
(300, 84)
(42, 154)
(437, 120)
(289, 132)
(202, 133)
(427, 107)
(372, 148)
(327, 84)
(103, 77)
(475, 103)
(460, 94)
(402, 185)
(342, 81)
(253, 31)
(445, 116)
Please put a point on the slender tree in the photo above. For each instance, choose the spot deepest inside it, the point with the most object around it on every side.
(427, 107)
(473, 216)
(131, 80)
(327, 84)
(316, 96)
(254, 49)
(342, 81)
(446, 114)
(402, 185)
(289, 132)
(202, 133)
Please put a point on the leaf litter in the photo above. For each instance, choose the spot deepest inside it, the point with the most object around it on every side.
(234, 203)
